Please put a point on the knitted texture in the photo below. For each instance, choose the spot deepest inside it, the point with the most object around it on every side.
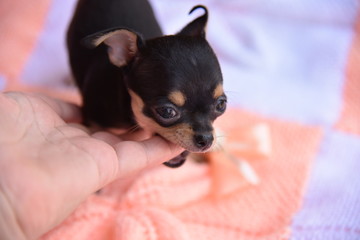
(293, 64)
(331, 205)
(187, 203)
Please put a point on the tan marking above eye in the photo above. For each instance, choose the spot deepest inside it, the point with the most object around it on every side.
(181, 134)
(178, 98)
(219, 91)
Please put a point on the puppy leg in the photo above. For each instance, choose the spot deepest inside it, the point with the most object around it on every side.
(177, 161)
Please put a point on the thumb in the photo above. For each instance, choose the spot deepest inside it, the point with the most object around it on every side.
(133, 156)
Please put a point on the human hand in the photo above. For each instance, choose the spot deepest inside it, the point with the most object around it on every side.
(48, 166)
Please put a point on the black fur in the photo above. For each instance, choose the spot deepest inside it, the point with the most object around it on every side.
(190, 67)
(160, 64)
(106, 101)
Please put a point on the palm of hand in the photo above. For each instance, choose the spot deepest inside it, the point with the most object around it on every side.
(48, 167)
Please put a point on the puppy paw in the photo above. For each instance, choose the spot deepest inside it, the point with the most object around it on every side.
(177, 161)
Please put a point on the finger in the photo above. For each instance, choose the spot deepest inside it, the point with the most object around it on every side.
(121, 160)
(107, 137)
(79, 126)
(112, 138)
(138, 135)
(136, 156)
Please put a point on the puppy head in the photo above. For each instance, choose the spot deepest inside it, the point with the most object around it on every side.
(175, 82)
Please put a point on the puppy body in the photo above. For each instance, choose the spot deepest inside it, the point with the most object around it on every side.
(106, 101)
(168, 85)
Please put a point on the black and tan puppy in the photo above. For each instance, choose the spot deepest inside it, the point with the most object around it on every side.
(129, 74)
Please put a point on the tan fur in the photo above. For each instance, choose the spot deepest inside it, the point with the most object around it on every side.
(181, 134)
(101, 39)
(219, 91)
(178, 98)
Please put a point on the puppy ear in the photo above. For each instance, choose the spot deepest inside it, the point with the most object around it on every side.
(122, 44)
(197, 26)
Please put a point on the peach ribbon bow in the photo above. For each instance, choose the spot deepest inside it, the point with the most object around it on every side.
(231, 159)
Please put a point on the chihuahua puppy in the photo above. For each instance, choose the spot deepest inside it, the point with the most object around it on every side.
(129, 74)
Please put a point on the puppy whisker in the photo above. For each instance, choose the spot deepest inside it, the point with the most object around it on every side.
(155, 90)
(220, 136)
(134, 128)
(217, 147)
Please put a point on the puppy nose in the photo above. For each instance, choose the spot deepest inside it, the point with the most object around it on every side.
(203, 141)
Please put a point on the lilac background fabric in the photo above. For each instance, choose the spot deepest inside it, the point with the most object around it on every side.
(48, 65)
(287, 60)
(332, 203)
(277, 56)
(283, 59)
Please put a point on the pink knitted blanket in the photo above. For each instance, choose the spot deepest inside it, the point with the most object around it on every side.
(214, 200)
(253, 186)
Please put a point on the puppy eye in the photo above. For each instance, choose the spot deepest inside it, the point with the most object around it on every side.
(166, 113)
(221, 105)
